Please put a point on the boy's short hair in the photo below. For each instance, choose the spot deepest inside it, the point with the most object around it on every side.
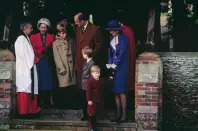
(95, 68)
(87, 50)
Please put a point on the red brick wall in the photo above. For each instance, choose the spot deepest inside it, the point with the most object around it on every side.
(148, 91)
(7, 74)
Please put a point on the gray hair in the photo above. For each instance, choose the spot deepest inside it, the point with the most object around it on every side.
(23, 25)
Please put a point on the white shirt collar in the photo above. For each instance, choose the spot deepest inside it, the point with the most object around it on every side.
(88, 59)
(85, 26)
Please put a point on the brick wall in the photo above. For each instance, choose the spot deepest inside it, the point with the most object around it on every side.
(7, 73)
(148, 98)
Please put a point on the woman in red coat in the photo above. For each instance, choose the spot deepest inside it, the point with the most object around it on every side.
(42, 45)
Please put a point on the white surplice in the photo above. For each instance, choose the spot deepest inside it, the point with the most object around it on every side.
(24, 62)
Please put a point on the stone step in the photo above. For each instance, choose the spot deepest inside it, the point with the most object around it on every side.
(61, 117)
(61, 111)
(62, 114)
(34, 130)
(104, 125)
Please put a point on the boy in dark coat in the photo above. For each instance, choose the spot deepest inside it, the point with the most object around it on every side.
(94, 96)
(87, 54)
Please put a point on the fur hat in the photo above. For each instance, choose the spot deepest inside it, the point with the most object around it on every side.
(44, 21)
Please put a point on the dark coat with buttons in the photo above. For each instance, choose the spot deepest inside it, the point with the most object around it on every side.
(91, 37)
(63, 57)
(95, 94)
(119, 57)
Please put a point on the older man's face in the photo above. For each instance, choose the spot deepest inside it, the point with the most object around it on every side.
(77, 22)
(28, 29)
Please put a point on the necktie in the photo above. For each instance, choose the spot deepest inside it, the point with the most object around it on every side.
(83, 28)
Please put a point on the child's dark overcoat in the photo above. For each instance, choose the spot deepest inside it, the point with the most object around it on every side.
(94, 93)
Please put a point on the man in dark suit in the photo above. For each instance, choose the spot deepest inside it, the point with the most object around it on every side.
(87, 34)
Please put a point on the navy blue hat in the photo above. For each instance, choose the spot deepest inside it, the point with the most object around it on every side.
(114, 25)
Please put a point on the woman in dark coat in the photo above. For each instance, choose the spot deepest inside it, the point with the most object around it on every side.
(118, 60)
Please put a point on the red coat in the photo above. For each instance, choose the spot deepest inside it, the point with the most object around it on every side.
(94, 93)
(39, 49)
(91, 37)
(132, 56)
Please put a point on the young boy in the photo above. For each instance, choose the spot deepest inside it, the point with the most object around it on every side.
(87, 53)
(63, 57)
(94, 96)
(64, 60)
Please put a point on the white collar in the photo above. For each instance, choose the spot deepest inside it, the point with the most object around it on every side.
(88, 59)
(85, 26)
(114, 42)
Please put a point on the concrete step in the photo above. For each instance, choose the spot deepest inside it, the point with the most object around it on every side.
(62, 114)
(60, 111)
(34, 130)
(69, 120)
(37, 124)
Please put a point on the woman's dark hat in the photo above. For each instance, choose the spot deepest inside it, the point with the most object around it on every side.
(114, 25)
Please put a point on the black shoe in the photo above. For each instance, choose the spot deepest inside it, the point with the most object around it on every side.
(115, 119)
(28, 116)
(85, 118)
(52, 106)
(23, 116)
(122, 121)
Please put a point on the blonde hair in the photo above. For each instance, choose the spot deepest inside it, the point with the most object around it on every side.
(95, 68)
(87, 50)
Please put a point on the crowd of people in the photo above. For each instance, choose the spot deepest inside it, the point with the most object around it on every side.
(44, 60)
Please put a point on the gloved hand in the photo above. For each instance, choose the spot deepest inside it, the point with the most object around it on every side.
(113, 66)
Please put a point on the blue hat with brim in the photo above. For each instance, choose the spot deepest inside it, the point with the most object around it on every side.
(114, 25)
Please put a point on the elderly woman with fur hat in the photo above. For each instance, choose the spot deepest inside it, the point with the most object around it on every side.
(42, 45)
(118, 61)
